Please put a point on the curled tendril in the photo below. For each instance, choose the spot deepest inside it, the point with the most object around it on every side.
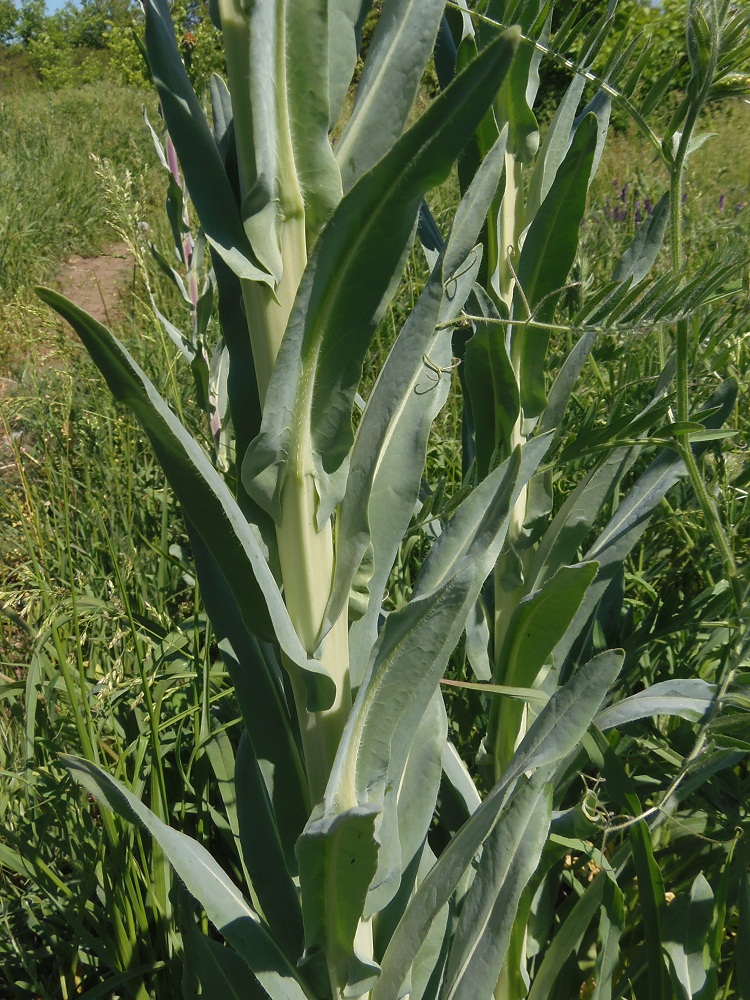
(435, 373)
(451, 284)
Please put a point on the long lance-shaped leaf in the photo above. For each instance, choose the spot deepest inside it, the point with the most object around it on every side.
(421, 774)
(473, 523)
(562, 387)
(513, 104)
(219, 971)
(638, 259)
(409, 802)
(509, 859)
(206, 179)
(611, 928)
(491, 384)
(263, 852)
(393, 400)
(548, 251)
(576, 517)
(349, 279)
(391, 443)
(244, 399)
(687, 698)
(223, 902)
(345, 21)
(337, 861)
(254, 672)
(572, 523)
(278, 75)
(687, 925)
(412, 653)
(400, 48)
(555, 145)
(415, 643)
(309, 110)
(632, 516)
(568, 938)
(556, 733)
(205, 497)
(429, 963)
(536, 626)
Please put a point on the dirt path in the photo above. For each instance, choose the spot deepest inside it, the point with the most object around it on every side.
(100, 285)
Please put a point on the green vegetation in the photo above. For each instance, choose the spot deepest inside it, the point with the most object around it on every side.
(547, 497)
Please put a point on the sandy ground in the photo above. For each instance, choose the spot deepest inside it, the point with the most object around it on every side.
(99, 285)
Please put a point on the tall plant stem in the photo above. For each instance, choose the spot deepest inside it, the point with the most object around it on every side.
(682, 345)
(306, 554)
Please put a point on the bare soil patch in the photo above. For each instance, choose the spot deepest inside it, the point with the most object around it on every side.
(100, 285)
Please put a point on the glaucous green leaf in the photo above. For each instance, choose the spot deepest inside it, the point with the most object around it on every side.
(548, 252)
(348, 281)
(556, 732)
(409, 802)
(388, 455)
(206, 179)
(686, 926)
(536, 626)
(554, 146)
(688, 698)
(308, 111)
(213, 971)
(345, 21)
(337, 862)
(209, 506)
(398, 53)
(491, 384)
(510, 856)
(224, 904)
(256, 679)
(263, 852)
(639, 258)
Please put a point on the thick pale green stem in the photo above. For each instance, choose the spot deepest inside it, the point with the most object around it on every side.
(508, 719)
(510, 225)
(268, 311)
(306, 555)
(307, 561)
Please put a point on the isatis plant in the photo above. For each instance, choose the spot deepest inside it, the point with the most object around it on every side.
(372, 865)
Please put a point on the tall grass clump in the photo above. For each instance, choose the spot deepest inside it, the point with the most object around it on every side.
(366, 860)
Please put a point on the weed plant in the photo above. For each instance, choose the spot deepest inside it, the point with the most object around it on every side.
(105, 634)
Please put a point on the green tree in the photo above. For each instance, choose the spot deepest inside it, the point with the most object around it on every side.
(32, 20)
(8, 21)
(87, 24)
